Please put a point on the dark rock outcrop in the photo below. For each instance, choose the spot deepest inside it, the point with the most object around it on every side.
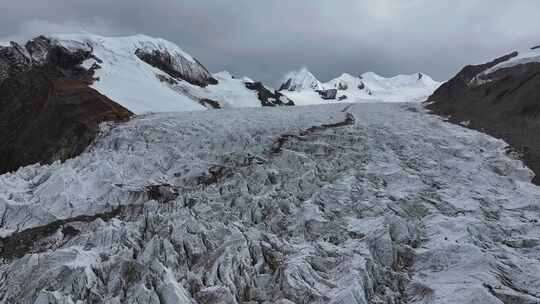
(504, 103)
(342, 86)
(328, 94)
(48, 111)
(286, 86)
(209, 103)
(177, 67)
(267, 97)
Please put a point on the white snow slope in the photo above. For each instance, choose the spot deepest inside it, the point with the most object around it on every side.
(131, 82)
(369, 87)
(381, 203)
(302, 80)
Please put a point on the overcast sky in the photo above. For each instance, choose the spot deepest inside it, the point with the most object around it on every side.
(264, 39)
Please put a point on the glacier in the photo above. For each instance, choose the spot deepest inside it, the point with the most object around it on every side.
(338, 203)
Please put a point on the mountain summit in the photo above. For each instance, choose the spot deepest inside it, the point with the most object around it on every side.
(300, 80)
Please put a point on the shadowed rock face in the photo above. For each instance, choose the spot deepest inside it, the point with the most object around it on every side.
(267, 97)
(48, 112)
(286, 85)
(195, 74)
(505, 104)
(328, 94)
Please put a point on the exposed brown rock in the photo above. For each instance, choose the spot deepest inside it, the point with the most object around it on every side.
(505, 104)
(48, 112)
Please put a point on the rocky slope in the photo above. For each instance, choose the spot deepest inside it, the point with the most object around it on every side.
(319, 204)
(501, 98)
(48, 111)
(55, 91)
(304, 88)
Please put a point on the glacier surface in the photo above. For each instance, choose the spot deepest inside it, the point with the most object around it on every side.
(338, 203)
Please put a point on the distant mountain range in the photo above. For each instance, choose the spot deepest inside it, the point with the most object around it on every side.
(69, 84)
(304, 88)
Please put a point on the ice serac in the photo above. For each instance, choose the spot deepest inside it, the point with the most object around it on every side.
(321, 204)
(300, 80)
(48, 110)
(501, 98)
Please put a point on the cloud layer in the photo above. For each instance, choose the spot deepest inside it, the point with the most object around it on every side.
(264, 39)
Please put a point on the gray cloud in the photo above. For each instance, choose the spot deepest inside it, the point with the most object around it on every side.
(264, 39)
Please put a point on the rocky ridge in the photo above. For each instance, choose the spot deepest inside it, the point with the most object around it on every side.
(48, 111)
(502, 98)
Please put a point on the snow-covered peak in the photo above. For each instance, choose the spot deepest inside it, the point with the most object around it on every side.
(300, 80)
(345, 82)
(223, 75)
(124, 43)
(371, 75)
(370, 87)
(346, 77)
(227, 76)
(130, 70)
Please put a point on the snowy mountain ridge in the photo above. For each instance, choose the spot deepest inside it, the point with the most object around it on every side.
(146, 74)
(304, 88)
